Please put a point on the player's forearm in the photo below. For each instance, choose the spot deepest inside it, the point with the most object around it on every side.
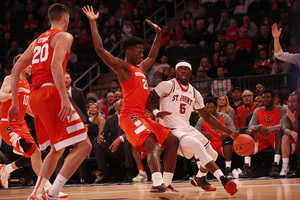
(15, 76)
(277, 45)
(155, 47)
(97, 41)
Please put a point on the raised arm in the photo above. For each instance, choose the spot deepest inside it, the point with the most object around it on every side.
(276, 34)
(149, 61)
(114, 63)
(5, 89)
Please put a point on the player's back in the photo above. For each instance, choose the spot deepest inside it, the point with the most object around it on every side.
(135, 92)
(23, 97)
(42, 57)
(180, 102)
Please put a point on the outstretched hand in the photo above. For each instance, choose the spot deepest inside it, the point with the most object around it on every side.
(275, 32)
(89, 12)
(154, 26)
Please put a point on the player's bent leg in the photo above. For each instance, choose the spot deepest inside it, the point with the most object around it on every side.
(36, 161)
(170, 156)
(154, 151)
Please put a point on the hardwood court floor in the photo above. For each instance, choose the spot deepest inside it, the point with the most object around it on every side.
(255, 189)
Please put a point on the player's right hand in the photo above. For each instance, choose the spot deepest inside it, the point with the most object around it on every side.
(89, 12)
(13, 112)
(162, 114)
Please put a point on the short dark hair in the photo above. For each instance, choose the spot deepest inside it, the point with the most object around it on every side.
(56, 11)
(270, 91)
(211, 100)
(131, 42)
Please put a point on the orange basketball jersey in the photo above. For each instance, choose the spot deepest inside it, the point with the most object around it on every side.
(42, 57)
(23, 96)
(135, 92)
(268, 118)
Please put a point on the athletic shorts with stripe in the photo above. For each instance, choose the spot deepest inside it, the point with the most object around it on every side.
(45, 104)
(12, 134)
(138, 127)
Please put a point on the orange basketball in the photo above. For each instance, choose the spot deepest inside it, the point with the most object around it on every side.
(244, 145)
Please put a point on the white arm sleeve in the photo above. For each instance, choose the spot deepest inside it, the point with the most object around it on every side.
(163, 88)
(199, 101)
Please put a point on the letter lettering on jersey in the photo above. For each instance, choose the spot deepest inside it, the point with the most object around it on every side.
(43, 39)
(269, 119)
(186, 99)
(175, 98)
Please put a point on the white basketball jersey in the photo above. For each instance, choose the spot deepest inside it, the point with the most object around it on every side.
(180, 102)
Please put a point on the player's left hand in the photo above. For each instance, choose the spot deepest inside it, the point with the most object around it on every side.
(275, 32)
(114, 146)
(234, 134)
(154, 26)
(162, 114)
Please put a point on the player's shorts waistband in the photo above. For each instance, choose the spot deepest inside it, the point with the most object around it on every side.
(47, 84)
(6, 120)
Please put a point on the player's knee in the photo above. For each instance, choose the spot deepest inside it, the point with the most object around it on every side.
(285, 139)
(212, 153)
(278, 133)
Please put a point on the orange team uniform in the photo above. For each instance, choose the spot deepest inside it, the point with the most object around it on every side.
(267, 119)
(133, 117)
(241, 115)
(12, 134)
(45, 100)
(215, 142)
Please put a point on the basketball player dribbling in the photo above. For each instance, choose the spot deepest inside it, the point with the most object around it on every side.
(179, 98)
(141, 132)
(57, 122)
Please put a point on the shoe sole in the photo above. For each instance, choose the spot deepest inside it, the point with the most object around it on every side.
(194, 183)
(139, 181)
(231, 188)
(62, 197)
(2, 185)
(165, 195)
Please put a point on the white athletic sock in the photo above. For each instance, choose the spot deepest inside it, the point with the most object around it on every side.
(218, 173)
(167, 178)
(200, 174)
(277, 158)
(8, 169)
(47, 185)
(228, 164)
(57, 186)
(285, 163)
(39, 185)
(157, 179)
(248, 160)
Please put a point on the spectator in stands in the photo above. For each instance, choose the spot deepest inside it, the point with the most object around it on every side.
(153, 72)
(204, 62)
(244, 110)
(221, 145)
(73, 8)
(214, 56)
(31, 23)
(95, 116)
(112, 145)
(250, 26)
(178, 36)
(236, 95)
(259, 88)
(202, 82)
(258, 102)
(127, 28)
(224, 106)
(241, 9)
(265, 128)
(5, 44)
(194, 8)
(200, 35)
(211, 25)
(43, 10)
(165, 37)
(114, 85)
(73, 59)
(232, 33)
(118, 95)
(137, 19)
(244, 42)
(290, 131)
(224, 22)
(84, 38)
(201, 13)
(222, 85)
(264, 39)
(185, 22)
(232, 55)
(108, 109)
(103, 10)
(294, 46)
(263, 65)
(166, 73)
(221, 39)
(14, 50)
(229, 68)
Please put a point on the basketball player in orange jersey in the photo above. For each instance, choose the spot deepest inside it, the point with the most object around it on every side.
(141, 132)
(17, 134)
(265, 127)
(57, 122)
